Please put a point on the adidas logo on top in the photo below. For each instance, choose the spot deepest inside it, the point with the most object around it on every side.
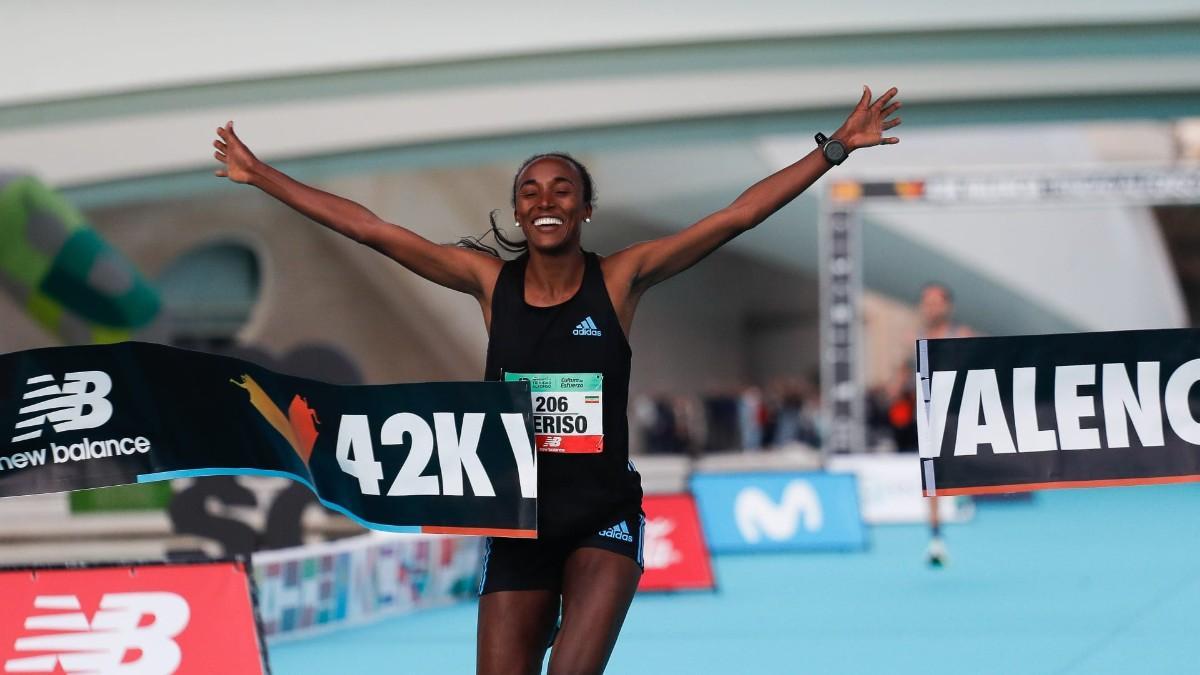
(618, 531)
(586, 327)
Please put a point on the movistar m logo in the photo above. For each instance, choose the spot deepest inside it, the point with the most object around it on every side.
(586, 327)
(758, 515)
(79, 403)
(618, 531)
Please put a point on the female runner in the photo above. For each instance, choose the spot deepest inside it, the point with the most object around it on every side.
(564, 313)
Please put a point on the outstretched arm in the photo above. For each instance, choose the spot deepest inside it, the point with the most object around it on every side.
(651, 262)
(450, 266)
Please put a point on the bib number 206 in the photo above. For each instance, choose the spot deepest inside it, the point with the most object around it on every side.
(550, 404)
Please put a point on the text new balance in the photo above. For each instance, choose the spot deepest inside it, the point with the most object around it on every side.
(76, 452)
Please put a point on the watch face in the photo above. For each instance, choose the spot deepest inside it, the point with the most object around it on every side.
(835, 151)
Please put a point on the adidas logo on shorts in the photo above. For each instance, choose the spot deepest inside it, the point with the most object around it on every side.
(586, 327)
(618, 531)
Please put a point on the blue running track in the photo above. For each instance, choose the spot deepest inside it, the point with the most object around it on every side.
(1077, 581)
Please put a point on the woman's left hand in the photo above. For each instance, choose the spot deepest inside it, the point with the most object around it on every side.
(867, 122)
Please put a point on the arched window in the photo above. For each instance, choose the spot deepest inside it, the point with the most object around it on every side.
(209, 294)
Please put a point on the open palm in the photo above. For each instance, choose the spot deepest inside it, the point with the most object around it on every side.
(867, 122)
(237, 159)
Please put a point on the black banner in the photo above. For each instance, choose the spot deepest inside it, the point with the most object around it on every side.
(440, 456)
(1010, 414)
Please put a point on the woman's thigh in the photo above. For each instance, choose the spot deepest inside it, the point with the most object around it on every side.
(598, 587)
(514, 631)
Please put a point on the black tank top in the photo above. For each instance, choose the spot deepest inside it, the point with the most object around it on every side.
(576, 492)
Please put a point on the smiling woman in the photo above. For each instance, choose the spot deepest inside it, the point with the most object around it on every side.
(559, 316)
(565, 185)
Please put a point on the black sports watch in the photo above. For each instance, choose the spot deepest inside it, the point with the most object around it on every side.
(834, 150)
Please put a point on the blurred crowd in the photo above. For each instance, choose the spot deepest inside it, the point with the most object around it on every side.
(892, 412)
(786, 412)
(743, 417)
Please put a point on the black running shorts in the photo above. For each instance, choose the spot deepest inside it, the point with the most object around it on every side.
(537, 564)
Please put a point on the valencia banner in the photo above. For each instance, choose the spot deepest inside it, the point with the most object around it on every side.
(438, 457)
(1011, 414)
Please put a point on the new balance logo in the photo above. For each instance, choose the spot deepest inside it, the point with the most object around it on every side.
(618, 531)
(586, 327)
(142, 623)
(79, 403)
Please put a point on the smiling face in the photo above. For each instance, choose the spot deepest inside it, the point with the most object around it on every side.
(550, 204)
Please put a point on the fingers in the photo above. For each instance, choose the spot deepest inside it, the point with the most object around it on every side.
(887, 96)
(890, 140)
(891, 123)
(866, 97)
(891, 109)
(222, 148)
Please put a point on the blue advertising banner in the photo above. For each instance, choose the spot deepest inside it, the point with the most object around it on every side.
(811, 511)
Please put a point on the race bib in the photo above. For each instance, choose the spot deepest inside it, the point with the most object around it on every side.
(568, 410)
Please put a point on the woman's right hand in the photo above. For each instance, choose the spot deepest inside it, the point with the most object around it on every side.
(239, 162)
(455, 268)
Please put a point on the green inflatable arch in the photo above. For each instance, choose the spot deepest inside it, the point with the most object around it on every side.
(64, 274)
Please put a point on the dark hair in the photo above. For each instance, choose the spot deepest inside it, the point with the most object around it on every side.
(520, 246)
(946, 292)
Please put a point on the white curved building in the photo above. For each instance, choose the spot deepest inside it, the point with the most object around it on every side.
(423, 115)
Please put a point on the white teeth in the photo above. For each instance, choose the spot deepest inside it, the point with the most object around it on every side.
(547, 221)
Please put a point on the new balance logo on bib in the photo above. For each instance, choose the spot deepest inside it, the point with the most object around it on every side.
(586, 327)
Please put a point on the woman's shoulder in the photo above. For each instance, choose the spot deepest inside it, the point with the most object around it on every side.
(617, 265)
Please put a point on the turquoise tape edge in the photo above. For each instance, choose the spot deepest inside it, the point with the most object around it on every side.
(200, 473)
